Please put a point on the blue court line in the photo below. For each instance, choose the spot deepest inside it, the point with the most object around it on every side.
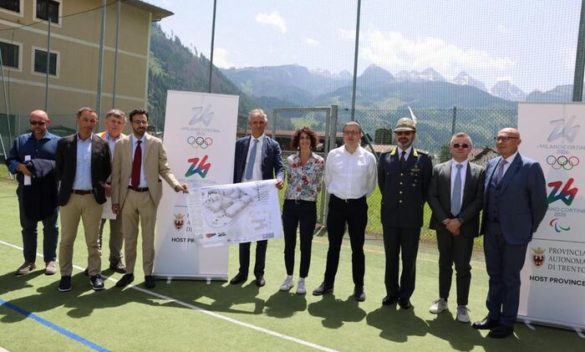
(52, 326)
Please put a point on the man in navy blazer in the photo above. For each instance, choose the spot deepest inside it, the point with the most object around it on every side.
(82, 166)
(258, 157)
(514, 205)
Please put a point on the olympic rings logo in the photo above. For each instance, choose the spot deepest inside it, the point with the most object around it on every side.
(562, 162)
(199, 142)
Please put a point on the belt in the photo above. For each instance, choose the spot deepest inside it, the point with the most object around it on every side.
(352, 200)
(138, 189)
(80, 192)
(299, 201)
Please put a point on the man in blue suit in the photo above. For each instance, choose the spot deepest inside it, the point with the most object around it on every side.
(514, 205)
(258, 157)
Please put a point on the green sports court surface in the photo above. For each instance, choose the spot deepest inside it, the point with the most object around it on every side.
(195, 316)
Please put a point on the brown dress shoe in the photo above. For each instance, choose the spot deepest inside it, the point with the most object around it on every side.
(50, 268)
(26, 268)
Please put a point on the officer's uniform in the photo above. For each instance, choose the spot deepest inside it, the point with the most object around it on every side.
(404, 187)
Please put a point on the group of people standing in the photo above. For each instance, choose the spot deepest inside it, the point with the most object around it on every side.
(510, 191)
(76, 174)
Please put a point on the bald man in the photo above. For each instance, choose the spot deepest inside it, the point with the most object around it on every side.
(514, 205)
(32, 160)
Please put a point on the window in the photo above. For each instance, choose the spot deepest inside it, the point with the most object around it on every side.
(41, 62)
(10, 54)
(48, 9)
(12, 5)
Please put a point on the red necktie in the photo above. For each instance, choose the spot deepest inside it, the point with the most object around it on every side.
(136, 163)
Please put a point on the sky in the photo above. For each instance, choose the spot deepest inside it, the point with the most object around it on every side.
(531, 43)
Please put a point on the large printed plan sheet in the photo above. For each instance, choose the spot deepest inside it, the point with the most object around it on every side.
(236, 213)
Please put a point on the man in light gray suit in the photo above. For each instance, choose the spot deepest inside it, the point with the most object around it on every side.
(456, 198)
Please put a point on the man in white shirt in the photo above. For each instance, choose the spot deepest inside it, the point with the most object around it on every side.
(350, 176)
(456, 198)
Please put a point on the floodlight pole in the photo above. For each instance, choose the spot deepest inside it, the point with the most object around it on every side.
(355, 59)
(212, 43)
(100, 75)
(580, 59)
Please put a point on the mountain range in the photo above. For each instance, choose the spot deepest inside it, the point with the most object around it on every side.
(297, 84)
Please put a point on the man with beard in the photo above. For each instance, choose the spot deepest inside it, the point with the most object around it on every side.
(139, 160)
(404, 175)
(32, 160)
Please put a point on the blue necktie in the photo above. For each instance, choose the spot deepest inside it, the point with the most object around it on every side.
(456, 194)
(251, 161)
(500, 173)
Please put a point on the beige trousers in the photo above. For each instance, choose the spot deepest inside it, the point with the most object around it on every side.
(116, 240)
(78, 207)
(139, 207)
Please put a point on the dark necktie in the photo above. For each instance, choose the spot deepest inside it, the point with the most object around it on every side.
(251, 160)
(456, 194)
(402, 158)
(500, 172)
(136, 166)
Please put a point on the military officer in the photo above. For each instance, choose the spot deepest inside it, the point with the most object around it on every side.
(404, 175)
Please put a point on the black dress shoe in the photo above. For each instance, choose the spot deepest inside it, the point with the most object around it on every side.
(149, 282)
(238, 279)
(322, 290)
(359, 294)
(389, 300)
(500, 332)
(118, 267)
(260, 281)
(125, 280)
(404, 303)
(65, 284)
(485, 324)
(96, 282)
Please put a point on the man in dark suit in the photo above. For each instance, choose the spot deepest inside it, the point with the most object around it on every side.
(514, 205)
(258, 157)
(404, 175)
(82, 167)
(456, 198)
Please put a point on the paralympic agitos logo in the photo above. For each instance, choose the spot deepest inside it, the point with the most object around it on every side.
(561, 192)
(198, 166)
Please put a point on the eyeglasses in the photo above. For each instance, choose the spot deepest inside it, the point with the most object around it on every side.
(37, 123)
(403, 133)
(351, 133)
(462, 146)
(504, 138)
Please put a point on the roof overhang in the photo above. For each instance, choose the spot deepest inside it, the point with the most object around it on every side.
(158, 13)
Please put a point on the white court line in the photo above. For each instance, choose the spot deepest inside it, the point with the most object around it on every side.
(210, 313)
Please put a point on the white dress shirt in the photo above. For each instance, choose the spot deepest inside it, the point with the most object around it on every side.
(350, 175)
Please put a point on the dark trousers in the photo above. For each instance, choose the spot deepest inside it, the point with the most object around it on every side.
(354, 212)
(503, 263)
(260, 258)
(454, 250)
(30, 234)
(398, 239)
(301, 214)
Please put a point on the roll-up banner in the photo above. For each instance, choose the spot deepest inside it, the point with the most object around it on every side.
(553, 277)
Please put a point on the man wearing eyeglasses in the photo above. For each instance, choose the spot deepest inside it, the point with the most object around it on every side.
(350, 177)
(456, 198)
(515, 203)
(404, 175)
(32, 160)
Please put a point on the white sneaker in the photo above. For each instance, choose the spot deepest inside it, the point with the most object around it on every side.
(287, 284)
(463, 314)
(438, 306)
(301, 290)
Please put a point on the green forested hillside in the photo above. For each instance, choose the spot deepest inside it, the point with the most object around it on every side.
(173, 66)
